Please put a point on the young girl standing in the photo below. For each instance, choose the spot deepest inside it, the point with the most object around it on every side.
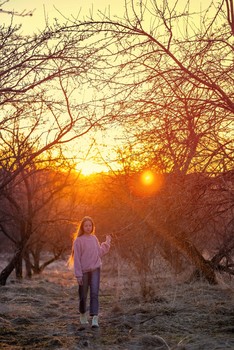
(87, 253)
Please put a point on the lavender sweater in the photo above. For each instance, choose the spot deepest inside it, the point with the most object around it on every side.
(87, 253)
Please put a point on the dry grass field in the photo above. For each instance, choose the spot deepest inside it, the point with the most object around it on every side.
(42, 313)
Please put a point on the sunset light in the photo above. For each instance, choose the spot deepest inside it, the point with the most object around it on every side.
(88, 167)
(147, 178)
(116, 137)
(147, 183)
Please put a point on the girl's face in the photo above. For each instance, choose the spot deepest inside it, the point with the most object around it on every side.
(88, 227)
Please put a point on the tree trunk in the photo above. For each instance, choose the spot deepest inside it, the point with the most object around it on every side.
(28, 264)
(36, 261)
(188, 250)
(48, 262)
(15, 263)
(10, 267)
(199, 262)
(19, 267)
(166, 232)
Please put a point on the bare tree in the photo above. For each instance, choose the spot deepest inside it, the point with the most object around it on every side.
(41, 82)
(230, 14)
(173, 91)
(24, 13)
(43, 108)
(28, 208)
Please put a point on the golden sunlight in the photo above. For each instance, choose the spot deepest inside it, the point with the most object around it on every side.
(88, 167)
(147, 178)
(148, 183)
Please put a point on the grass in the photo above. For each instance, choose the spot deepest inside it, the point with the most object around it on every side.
(42, 313)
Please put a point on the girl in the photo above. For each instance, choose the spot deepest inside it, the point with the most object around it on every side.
(86, 254)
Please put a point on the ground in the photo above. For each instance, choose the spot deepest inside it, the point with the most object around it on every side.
(42, 313)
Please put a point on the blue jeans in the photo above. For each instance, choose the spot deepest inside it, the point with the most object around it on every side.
(91, 280)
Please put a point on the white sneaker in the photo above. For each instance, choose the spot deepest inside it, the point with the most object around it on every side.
(95, 322)
(83, 319)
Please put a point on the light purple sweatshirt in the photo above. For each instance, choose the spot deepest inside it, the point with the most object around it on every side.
(87, 253)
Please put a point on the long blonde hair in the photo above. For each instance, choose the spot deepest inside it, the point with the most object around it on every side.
(80, 232)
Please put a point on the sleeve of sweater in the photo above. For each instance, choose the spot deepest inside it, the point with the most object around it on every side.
(103, 248)
(77, 256)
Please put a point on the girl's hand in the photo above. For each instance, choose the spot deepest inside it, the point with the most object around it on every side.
(108, 239)
(80, 281)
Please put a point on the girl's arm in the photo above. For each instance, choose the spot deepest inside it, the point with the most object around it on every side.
(105, 246)
(77, 262)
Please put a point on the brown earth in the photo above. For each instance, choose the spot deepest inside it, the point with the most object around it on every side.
(42, 313)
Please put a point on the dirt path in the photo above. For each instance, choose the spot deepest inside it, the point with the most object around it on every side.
(42, 314)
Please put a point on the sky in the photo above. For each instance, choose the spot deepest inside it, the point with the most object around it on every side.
(46, 9)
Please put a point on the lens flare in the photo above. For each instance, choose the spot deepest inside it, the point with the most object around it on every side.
(147, 183)
(147, 178)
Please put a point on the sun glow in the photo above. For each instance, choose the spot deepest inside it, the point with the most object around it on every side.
(148, 183)
(147, 178)
(88, 167)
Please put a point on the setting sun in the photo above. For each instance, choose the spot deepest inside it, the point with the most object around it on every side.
(88, 167)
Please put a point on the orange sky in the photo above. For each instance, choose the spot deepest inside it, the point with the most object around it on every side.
(45, 10)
